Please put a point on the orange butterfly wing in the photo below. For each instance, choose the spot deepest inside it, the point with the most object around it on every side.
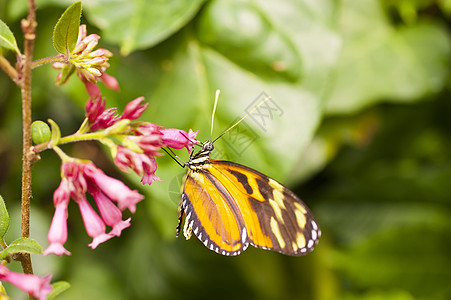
(229, 206)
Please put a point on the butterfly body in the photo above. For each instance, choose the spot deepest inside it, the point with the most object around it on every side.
(229, 206)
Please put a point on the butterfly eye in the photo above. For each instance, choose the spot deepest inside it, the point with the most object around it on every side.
(209, 147)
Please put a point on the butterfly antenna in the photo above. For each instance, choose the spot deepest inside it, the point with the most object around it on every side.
(213, 114)
(245, 116)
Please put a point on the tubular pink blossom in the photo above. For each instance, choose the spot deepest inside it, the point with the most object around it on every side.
(178, 139)
(38, 287)
(114, 189)
(93, 223)
(111, 215)
(57, 234)
(133, 110)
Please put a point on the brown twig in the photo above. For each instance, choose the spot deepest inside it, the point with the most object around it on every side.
(25, 65)
(9, 70)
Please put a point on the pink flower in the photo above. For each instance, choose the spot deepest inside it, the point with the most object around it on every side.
(94, 225)
(79, 178)
(38, 287)
(111, 215)
(57, 235)
(178, 139)
(134, 110)
(114, 189)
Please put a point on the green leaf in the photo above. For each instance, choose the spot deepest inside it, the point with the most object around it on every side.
(4, 218)
(7, 39)
(277, 132)
(136, 24)
(65, 34)
(402, 64)
(25, 245)
(56, 132)
(58, 288)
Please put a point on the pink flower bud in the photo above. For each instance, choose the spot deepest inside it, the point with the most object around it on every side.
(110, 82)
(133, 109)
(105, 120)
(94, 108)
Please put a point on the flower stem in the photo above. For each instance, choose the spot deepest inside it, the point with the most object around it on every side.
(91, 136)
(29, 28)
(47, 60)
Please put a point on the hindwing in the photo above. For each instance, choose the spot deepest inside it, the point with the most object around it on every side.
(229, 206)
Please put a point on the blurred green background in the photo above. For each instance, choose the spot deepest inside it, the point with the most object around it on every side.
(361, 130)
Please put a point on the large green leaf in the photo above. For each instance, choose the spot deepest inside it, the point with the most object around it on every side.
(380, 61)
(135, 24)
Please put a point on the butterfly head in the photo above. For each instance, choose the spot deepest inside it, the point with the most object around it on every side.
(200, 158)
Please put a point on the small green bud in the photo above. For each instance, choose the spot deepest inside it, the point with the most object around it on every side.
(40, 132)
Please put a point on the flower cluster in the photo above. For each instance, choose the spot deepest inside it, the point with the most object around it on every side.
(133, 145)
(36, 286)
(140, 141)
(90, 64)
(79, 178)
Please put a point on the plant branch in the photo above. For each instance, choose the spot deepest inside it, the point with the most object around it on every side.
(29, 28)
(9, 70)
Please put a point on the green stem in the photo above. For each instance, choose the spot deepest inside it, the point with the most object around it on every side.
(98, 135)
(47, 60)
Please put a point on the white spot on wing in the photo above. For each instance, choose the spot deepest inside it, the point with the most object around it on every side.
(314, 225)
(314, 235)
(244, 235)
(310, 244)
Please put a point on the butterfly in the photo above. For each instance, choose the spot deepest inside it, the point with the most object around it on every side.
(229, 206)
